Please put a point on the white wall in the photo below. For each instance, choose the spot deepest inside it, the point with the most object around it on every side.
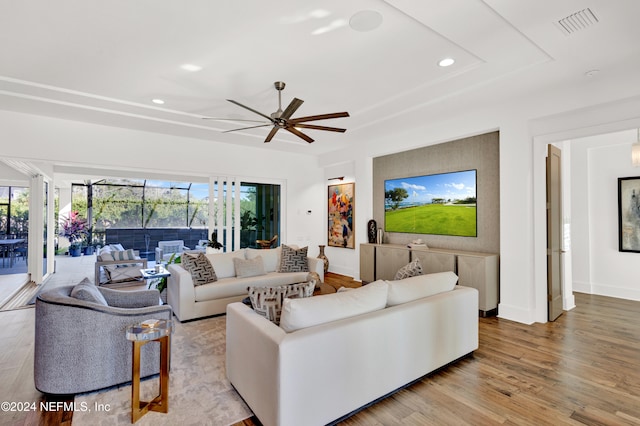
(46, 140)
(598, 266)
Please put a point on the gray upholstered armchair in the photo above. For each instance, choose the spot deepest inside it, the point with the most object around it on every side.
(81, 346)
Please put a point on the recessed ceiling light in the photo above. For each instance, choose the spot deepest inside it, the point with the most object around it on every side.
(446, 62)
(366, 20)
(191, 67)
(157, 101)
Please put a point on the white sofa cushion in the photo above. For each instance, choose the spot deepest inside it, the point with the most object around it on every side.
(223, 263)
(270, 257)
(233, 286)
(412, 288)
(307, 312)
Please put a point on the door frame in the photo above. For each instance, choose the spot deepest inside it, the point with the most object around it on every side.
(555, 231)
(539, 151)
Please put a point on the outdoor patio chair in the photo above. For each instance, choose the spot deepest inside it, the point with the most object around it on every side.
(166, 249)
(116, 267)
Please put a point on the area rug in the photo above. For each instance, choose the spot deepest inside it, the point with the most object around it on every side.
(199, 392)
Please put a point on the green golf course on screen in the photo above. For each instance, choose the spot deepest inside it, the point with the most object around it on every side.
(440, 204)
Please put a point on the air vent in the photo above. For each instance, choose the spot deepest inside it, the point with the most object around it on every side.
(578, 21)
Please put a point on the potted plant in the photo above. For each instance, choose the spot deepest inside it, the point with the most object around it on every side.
(161, 283)
(75, 249)
(213, 246)
(74, 228)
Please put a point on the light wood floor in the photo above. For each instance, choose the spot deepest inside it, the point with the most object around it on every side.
(584, 369)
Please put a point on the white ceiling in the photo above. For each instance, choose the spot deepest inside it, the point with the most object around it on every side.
(103, 62)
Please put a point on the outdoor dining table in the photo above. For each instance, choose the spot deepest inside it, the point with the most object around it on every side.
(10, 245)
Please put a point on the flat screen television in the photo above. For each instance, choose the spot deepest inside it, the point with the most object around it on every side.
(440, 204)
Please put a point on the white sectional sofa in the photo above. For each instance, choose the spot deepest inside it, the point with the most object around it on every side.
(324, 371)
(191, 302)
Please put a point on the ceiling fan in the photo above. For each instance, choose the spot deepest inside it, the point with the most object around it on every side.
(282, 119)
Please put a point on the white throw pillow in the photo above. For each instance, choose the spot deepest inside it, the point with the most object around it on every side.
(249, 267)
(420, 286)
(223, 263)
(103, 250)
(270, 257)
(303, 313)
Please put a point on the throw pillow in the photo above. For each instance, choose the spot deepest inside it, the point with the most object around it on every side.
(268, 301)
(124, 255)
(411, 269)
(249, 268)
(223, 263)
(87, 291)
(300, 290)
(200, 268)
(294, 260)
(270, 257)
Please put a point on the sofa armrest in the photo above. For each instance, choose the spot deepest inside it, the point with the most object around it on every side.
(181, 294)
(316, 265)
(130, 299)
(255, 374)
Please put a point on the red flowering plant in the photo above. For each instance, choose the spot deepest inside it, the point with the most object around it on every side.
(75, 229)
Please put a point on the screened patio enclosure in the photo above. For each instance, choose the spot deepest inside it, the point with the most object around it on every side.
(138, 213)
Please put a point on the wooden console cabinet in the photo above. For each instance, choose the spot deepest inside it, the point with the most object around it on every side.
(477, 270)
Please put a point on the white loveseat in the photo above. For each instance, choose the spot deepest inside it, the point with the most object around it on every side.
(190, 302)
(323, 372)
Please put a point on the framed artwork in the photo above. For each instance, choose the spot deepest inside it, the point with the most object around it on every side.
(629, 214)
(341, 206)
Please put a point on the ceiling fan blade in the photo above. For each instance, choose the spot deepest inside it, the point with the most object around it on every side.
(319, 117)
(231, 119)
(251, 109)
(271, 134)
(245, 128)
(299, 134)
(293, 106)
(312, 126)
